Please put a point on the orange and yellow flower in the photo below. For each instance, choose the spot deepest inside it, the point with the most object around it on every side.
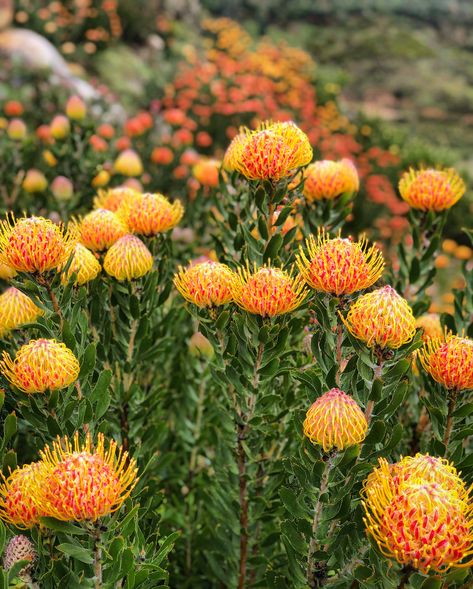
(16, 309)
(41, 365)
(80, 482)
(206, 172)
(430, 325)
(208, 284)
(128, 259)
(335, 421)
(449, 361)
(268, 291)
(128, 163)
(17, 506)
(84, 265)
(6, 271)
(381, 318)
(431, 190)
(271, 152)
(113, 198)
(101, 228)
(339, 266)
(150, 214)
(325, 180)
(34, 244)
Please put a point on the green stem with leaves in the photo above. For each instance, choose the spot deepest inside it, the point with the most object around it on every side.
(452, 402)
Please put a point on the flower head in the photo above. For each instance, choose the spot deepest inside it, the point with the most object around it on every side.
(128, 163)
(34, 244)
(206, 172)
(16, 309)
(113, 198)
(449, 361)
(76, 108)
(81, 482)
(268, 291)
(62, 188)
(128, 258)
(100, 229)
(272, 152)
(381, 318)
(6, 271)
(335, 421)
(431, 326)
(424, 525)
(208, 284)
(16, 502)
(431, 190)
(150, 214)
(325, 180)
(34, 181)
(339, 266)
(84, 265)
(19, 548)
(41, 365)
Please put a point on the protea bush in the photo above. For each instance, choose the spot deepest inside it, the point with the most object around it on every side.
(227, 386)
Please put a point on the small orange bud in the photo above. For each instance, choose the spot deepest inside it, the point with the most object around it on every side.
(62, 188)
(75, 108)
(16, 129)
(101, 179)
(60, 127)
(128, 163)
(34, 181)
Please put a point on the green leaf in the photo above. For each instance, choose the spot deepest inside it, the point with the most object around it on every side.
(165, 547)
(291, 502)
(101, 386)
(103, 403)
(376, 433)
(273, 247)
(88, 361)
(294, 538)
(63, 527)
(9, 428)
(76, 552)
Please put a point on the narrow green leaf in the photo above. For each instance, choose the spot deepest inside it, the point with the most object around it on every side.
(76, 552)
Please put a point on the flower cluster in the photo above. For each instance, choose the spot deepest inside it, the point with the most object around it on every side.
(449, 361)
(73, 481)
(420, 513)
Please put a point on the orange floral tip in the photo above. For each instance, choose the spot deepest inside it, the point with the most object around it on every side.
(84, 266)
(381, 318)
(100, 229)
(430, 325)
(128, 163)
(325, 180)
(16, 309)
(387, 479)
(80, 482)
(206, 284)
(150, 214)
(335, 421)
(35, 244)
(431, 190)
(34, 181)
(272, 152)
(113, 198)
(268, 291)
(76, 108)
(206, 172)
(17, 506)
(449, 361)
(339, 266)
(41, 365)
(128, 258)
(425, 526)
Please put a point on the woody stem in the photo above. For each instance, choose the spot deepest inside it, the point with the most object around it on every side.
(452, 401)
(97, 558)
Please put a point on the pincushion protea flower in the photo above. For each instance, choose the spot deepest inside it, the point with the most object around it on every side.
(449, 361)
(16, 309)
(272, 152)
(34, 244)
(16, 497)
(207, 284)
(325, 180)
(19, 548)
(339, 266)
(6, 271)
(381, 318)
(206, 172)
(84, 265)
(335, 421)
(424, 525)
(150, 214)
(113, 198)
(128, 258)
(41, 365)
(100, 229)
(431, 190)
(81, 482)
(430, 325)
(268, 291)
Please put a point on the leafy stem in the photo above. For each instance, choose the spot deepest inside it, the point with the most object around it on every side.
(452, 402)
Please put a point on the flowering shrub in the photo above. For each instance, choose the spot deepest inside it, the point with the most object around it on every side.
(207, 380)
